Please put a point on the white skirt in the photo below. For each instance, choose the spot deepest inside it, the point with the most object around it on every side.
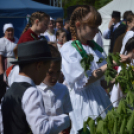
(91, 101)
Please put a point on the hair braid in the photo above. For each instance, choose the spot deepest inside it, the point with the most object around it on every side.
(81, 12)
(26, 28)
(75, 16)
(36, 15)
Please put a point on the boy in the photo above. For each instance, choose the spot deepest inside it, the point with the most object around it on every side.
(23, 108)
(56, 96)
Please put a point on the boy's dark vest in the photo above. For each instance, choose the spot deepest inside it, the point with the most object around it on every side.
(14, 119)
(115, 34)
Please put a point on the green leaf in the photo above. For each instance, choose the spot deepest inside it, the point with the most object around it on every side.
(100, 60)
(130, 98)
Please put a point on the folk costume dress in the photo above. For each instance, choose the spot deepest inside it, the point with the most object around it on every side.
(6, 50)
(29, 35)
(88, 100)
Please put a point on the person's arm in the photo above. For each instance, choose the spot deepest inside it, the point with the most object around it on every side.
(106, 34)
(97, 74)
(105, 85)
(39, 122)
(1, 65)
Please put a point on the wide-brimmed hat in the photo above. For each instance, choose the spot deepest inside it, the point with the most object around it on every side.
(32, 51)
(116, 14)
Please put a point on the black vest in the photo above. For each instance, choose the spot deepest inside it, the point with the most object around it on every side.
(14, 119)
(115, 34)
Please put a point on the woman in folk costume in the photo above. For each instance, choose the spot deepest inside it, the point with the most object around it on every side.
(7, 44)
(87, 96)
(128, 48)
(38, 24)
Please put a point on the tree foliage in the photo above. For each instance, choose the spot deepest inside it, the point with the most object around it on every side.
(96, 3)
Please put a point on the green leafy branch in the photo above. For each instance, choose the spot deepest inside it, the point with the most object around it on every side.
(86, 62)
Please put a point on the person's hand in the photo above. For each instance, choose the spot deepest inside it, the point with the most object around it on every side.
(126, 58)
(110, 24)
(61, 133)
(61, 78)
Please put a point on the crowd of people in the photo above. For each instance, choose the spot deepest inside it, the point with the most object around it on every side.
(43, 87)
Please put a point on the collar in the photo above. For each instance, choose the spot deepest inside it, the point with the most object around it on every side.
(84, 44)
(44, 87)
(20, 78)
(60, 43)
(50, 32)
(33, 34)
(116, 25)
(13, 40)
(81, 43)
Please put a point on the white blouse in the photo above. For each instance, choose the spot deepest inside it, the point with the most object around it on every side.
(6, 47)
(50, 37)
(56, 99)
(71, 67)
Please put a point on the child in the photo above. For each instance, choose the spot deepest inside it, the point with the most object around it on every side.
(49, 34)
(38, 24)
(55, 95)
(87, 95)
(23, 108)
(61, 38)
(116, 92)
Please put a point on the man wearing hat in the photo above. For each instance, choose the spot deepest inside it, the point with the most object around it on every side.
(115, 29)
(23, 108)
(7, 44)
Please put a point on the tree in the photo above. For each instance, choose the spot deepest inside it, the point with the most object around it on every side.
(96, 3)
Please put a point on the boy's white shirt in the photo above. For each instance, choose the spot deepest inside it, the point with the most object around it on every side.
(56, 99)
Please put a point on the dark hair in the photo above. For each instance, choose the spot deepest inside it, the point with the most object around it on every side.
(59, 20)
(53, 44)
(34, 16)
(66, 21)
(55, 53)
(21, 66)
(79, 14)
(129, 45)
(130, 17)
(126, 14)
(58, 32)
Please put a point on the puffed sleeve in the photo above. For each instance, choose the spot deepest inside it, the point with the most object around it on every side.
(39, 122)
(71, 67)
(2, 46)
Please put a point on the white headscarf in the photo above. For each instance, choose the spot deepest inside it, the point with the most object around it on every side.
(6, 26)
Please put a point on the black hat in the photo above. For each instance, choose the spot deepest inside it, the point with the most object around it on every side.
(31, 51)
(116, 14)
